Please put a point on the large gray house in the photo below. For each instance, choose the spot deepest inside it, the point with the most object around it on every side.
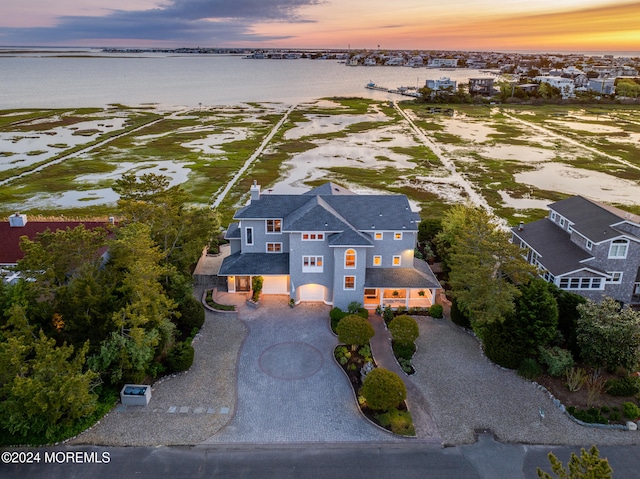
(586, 247)
(329, 245)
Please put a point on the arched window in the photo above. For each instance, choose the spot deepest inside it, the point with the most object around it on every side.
(618, 248)
(350, 258)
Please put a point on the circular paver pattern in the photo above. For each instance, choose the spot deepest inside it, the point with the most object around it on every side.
(291, 360)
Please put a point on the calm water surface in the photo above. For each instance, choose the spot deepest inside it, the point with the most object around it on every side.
(30, 81)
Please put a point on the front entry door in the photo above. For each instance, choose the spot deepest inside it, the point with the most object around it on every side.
(243, 283)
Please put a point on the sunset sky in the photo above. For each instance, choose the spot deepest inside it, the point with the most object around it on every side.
(547, 25)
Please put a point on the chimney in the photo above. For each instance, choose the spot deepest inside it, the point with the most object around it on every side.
(255, 191)
(521, 226)
(17, 220)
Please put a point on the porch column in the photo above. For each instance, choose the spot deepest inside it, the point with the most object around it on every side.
(407, 293)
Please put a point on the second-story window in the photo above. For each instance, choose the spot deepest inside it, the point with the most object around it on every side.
(350, 258)
(274, 226)
(274, 247)
(397, 235)
(248, 236)
(618, 249)
(378, 235)
(312, 236)
(312, 264)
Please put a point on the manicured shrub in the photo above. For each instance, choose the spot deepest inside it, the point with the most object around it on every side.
(404, 351)
(404, 329)
(631, 411)
(400, 422)
(557, 360)
(180, 357)
(363, 312)
(383, 390)
(627, 386)
(191, 317)
(529, 369)
(365, 352)
(591, 415)
(336, 314)
(387, 315)
(354, 307)
(355, 331)
(436, 311)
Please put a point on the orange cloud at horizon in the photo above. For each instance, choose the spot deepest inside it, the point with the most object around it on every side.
(613, 27)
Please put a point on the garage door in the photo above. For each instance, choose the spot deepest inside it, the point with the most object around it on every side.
(311, 292)
(275, 284)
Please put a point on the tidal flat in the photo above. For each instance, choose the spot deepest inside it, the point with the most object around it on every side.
(511, 160)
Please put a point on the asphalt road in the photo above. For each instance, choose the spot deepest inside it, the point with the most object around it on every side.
(487, 459)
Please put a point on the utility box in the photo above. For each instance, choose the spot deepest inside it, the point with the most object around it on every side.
(135, 395)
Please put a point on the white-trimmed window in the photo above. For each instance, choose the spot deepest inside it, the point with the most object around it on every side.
(616, 277)
(378, 235)
(349, 282)
(312, 264)
(562, 222)
(312, 236)
(397, 235)
(580, 283)
(377, 260)
(248, 236)
(569, 228)
(350, 258)
(553, 216)
(274, 226)
(396, 261)
(274, 247)
(589, 245)
(618, 249)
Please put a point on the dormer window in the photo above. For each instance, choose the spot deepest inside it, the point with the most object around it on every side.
(618, 249)
(274, 226)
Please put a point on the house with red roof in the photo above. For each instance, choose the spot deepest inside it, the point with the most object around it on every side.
(18, 226)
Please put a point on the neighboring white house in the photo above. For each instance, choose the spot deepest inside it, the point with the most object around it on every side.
(441, 84)
(565, 85)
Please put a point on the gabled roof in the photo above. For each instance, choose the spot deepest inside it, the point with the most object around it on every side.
(310, 211)
(329, 188)
(558, 254)
(592, 220)
(350, 237)
(10, 252)
(252, 264)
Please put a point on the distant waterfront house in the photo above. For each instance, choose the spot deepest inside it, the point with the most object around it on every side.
(565, 85)
(481, 86)
(441, 84)
(586, 247)
(442, 63)
(329, 245)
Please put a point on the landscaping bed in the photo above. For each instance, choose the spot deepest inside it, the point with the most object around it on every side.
(605, 408)
(217, 306)
(396, 420)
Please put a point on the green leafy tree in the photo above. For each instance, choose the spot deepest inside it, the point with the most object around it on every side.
(355, 331)
(181, 231)
(383, 390)
(485, 267)
(143, 321)
(43, 387)
(608, 335)
(588, 465)
(404, 329)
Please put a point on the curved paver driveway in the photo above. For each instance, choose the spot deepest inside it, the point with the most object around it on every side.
(289, 388)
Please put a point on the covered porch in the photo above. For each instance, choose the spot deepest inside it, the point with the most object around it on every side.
(400, 287)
